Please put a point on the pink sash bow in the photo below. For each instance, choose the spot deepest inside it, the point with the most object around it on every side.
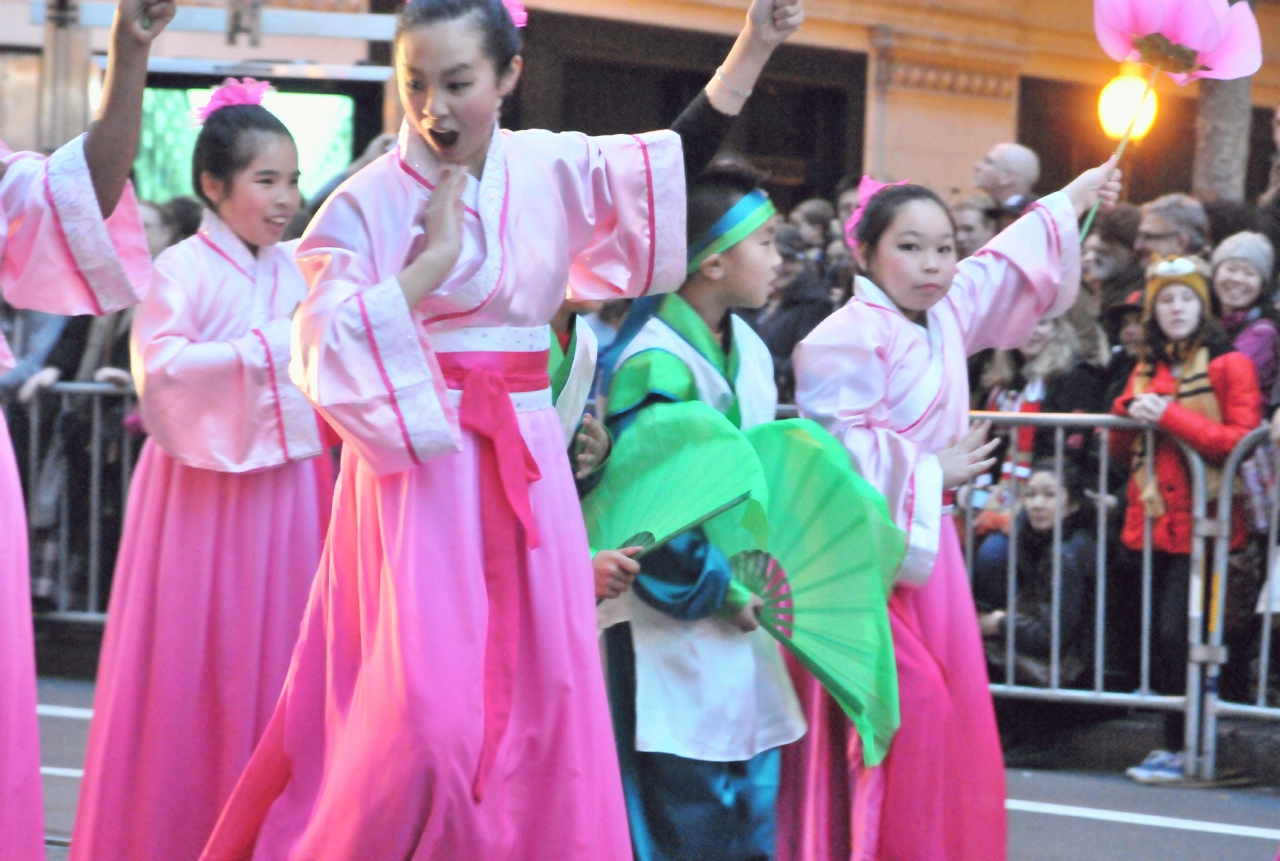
(507, 467)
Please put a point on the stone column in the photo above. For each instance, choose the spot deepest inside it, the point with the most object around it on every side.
(64, 76)
(936, 106)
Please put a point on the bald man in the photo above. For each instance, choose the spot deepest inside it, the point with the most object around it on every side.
(1008, 173)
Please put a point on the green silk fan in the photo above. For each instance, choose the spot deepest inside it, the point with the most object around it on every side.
(677, 464)
(832, 550)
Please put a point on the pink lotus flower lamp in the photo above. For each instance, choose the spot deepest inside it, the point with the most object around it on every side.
(1185, 39)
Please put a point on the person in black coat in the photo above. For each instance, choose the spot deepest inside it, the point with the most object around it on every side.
(800, 302)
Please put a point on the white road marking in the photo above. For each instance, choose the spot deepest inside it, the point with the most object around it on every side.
(1142, 819)
(64, 712)
(54, 771)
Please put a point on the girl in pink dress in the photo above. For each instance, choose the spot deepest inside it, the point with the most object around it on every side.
(226, 513)
(71, 242)
(446, 699)
(886, 375)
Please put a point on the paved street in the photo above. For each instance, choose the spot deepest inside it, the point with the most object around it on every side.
(1054, 816)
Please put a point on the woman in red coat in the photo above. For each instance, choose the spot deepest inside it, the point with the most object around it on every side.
(1192, 384)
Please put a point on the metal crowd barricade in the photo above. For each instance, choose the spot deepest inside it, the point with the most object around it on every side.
(1097, 694)
(1215, 652)
(71, 604)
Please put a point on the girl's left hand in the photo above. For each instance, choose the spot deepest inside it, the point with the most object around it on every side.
(1148, 407)
(1096, 184)
(772, 22)
(131, 15)
(593, 447)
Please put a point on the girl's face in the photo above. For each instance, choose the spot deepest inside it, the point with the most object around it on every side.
(1040, 336)
(751, 266)
(261, 199)
(159, 236)
(915, 260)
(1238, 285)
(1178, 310)
(1040, 501)
(450, 91)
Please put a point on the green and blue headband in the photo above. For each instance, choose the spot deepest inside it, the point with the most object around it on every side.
(743, 219)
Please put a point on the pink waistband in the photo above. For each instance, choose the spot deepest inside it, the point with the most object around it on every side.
(521, 372)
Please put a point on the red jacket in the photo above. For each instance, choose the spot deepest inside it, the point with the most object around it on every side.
(1235, 383)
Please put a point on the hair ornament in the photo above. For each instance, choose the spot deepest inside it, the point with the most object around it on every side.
(232, 92)
(867, 189)
(519, 15)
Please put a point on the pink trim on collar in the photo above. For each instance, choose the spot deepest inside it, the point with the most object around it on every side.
(424, 182)
(225, 256)
(502, 269)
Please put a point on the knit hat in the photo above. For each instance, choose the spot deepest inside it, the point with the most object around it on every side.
(1252, 247)
(1176, 270)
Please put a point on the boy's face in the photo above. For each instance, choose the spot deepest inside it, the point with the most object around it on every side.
(751, 266)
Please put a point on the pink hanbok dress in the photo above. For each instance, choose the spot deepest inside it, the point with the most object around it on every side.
(446, 699)
(222, 535)
(895, 393)
(57, 254)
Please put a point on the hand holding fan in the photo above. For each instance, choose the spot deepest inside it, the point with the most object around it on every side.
(832, 550)
(679, 466)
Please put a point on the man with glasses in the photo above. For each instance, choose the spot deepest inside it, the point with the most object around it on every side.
(1175, 224)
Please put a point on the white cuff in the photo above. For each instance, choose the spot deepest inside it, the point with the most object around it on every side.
(924, 522)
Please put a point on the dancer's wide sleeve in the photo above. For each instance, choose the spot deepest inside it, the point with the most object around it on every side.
(624, 201)
(59, 254)
(357, 355)
(1031, 270)
(220, 404)
(843, 382)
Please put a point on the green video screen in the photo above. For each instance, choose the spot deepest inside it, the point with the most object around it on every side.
(321, 125)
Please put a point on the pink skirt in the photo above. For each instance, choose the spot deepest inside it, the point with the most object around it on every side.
(375, 746)
(210, 587)
(21, 799)
(940, 793)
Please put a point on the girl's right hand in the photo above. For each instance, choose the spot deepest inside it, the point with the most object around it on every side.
(442, 227)
(968, 458)
(41, 379)
(442, 218)
(747, 619)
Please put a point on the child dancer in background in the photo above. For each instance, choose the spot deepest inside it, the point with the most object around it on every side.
(226, 513)
(446, 699)
(701, 704)
(71, 242)
(886, 375)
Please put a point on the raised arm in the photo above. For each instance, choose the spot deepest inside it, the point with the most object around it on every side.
(112, 141)
(1031, 270)
(706, 122)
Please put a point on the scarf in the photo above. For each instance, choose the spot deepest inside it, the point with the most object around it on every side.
(1194, 392)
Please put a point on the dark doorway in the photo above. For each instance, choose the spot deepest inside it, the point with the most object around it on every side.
(803, 125)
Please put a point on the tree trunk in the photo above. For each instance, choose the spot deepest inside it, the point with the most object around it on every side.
(1222, 140)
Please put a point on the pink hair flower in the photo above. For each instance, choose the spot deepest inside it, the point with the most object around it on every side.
(232, 92)
(1186, 39)
(519, 15)
(867, 189)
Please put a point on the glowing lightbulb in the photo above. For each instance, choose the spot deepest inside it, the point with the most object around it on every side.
(1119, 102)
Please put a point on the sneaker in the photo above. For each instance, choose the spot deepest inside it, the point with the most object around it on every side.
(1159, 767)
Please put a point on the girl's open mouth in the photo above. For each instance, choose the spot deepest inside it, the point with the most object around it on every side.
(443, 139)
